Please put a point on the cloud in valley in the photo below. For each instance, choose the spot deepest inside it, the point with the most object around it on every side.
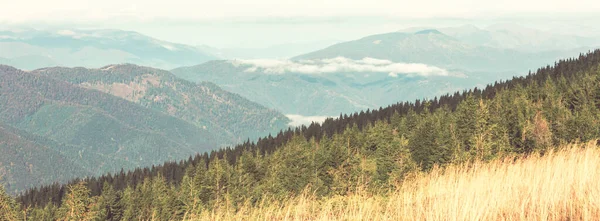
(341, 64)
(299, 120)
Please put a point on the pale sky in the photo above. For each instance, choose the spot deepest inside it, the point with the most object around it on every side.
(89, 10)
(262, 23)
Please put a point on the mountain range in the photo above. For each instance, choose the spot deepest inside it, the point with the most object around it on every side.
(102, 118)
(31, 49)
(433, 47)
(120, 116)
(381, 69)
(513, 36)
(327, 94)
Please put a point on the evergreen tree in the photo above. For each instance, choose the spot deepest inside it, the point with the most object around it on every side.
(77, 204)
(131, 204)
(190, 194)
(48, 213)
(8, 207)
(466, 122)
(110, 203)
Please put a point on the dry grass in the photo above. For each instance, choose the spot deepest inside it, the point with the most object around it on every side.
(561, 185)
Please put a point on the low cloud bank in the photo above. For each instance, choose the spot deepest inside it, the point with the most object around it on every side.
(298, 120)
(340, 64)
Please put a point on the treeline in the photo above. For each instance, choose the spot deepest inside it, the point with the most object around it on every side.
(374, 149)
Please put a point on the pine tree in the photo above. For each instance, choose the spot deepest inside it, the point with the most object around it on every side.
(290, 170)
(131, 205)
(77, 204)
(110, 203)
(246, 177)
(217, 181)
(466, 122)
(163, 204)
(8, 207)
(422, 143)
(190, 194)
(48, 213)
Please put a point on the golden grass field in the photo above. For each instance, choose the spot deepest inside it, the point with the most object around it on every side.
(560, 185)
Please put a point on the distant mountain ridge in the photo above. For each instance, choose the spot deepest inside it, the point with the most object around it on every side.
(358, 74)
(432, 47)
(513, 36)
(31, 49)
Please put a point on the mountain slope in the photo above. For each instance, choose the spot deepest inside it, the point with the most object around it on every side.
(27, 160)
(32, 49)
(516, 37)
(318, 94)
(228, 117)
(433, 47)
(95, 124)
(370, 72)
(290, 93)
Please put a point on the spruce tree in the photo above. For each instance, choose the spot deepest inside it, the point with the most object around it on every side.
(77, 204)
(8, 207)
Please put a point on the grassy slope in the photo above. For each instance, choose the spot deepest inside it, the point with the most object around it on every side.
(560, 185)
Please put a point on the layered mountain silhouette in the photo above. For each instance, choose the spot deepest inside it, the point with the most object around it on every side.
(31, 49)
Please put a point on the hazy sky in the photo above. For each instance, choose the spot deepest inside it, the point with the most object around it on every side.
(261, 23)
(67, 10)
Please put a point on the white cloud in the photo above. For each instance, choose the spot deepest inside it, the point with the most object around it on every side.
(298, 120)
(66, 32)
(340, 64)
(169, 47)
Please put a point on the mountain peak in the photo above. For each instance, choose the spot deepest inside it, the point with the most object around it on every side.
(429, 31)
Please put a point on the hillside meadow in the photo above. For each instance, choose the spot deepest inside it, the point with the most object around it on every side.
(561, 184)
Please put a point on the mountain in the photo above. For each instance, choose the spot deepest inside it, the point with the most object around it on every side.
(106, 131)
(27, 160)
(151, 118)
(373, 71)
(229, 117)
(511, 128)
(31, 49)
(432, 47)
(513, 36)
(296, 93)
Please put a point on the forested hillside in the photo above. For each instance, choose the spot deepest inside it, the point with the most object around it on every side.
(372, 151)
(105, 121)
(228, 117)
(99, 131)
(36, 157)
